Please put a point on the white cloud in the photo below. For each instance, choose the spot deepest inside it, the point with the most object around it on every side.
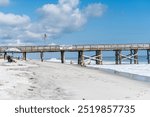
(71, 3)
(94, 10)
(54, 20)
(4, 2)
(65, 16)
(12, 19)
(32, 35)
(61, 16)
(13, 27)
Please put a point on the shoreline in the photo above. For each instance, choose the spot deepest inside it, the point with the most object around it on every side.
(131, 76)
(134, 75)
(54, 81)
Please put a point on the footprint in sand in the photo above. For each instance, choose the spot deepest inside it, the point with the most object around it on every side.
(1, 84)
(127, 97)
(30, 89)
(31, 78)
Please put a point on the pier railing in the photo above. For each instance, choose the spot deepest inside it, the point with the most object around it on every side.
(53, 48)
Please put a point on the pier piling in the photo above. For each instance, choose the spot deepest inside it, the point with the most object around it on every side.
(118, 57)
(148, 56)
(62, 56)
(24, 55)
(136, 56)
(5, 55)
(98, 57)
(80, 58)
(41, 56)
(131, 54)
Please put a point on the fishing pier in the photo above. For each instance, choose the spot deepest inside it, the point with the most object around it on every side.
(131, 49)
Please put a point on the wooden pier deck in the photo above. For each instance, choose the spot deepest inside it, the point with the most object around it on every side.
(98, 48)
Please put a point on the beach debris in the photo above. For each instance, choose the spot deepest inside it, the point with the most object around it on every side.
(83, 64)
(71, 62)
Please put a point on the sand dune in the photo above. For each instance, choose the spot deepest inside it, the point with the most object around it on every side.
(49, 80)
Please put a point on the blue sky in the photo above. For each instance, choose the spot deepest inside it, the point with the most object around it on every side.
(74, 21)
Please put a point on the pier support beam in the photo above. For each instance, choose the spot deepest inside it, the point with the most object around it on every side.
(24, 55)
(148, 56)
(118, 56)
(136, 56)
(41, 56)
(80, 58)
(62, 56)
(99, 57)
(132, 56)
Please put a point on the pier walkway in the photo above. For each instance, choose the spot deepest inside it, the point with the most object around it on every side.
(132, 50)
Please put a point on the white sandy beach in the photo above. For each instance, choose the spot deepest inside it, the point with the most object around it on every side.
(49, 80)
